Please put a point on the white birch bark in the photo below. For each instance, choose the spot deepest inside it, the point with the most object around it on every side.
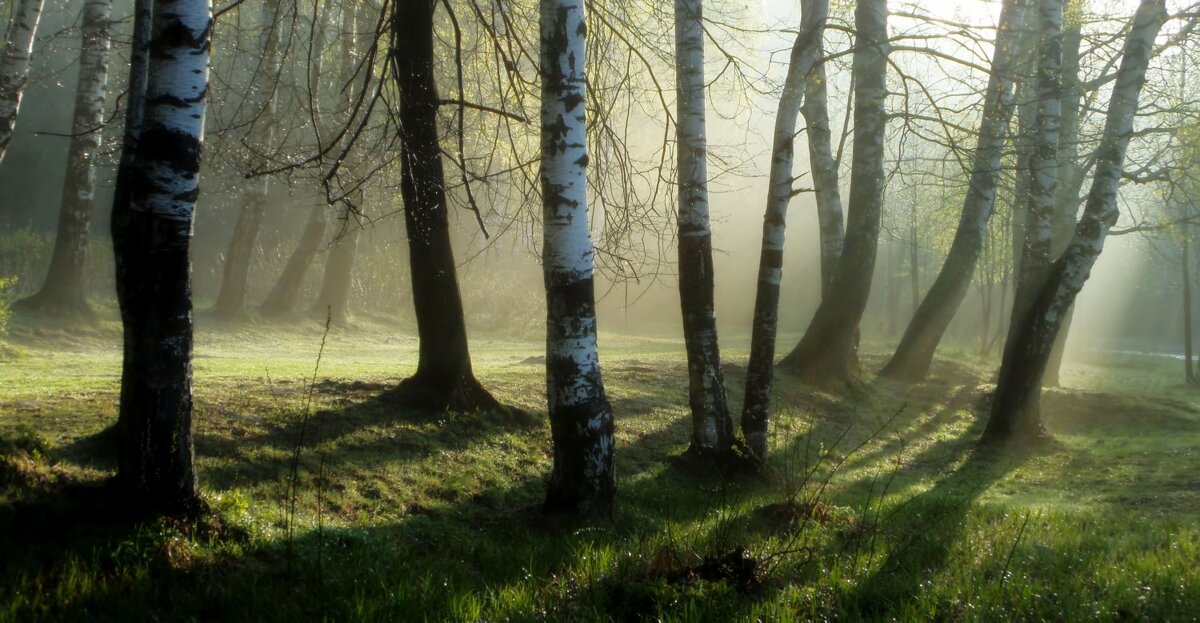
(806, 53)
(1015, 410)
(580, 416)
(14, 66)
(712, 428)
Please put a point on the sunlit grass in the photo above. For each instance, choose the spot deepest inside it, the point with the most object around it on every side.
(405, 516)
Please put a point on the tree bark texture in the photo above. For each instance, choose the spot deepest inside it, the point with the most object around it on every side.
(827, 354)
(14, 66)
(914, 355)
(235, 273)
(155, 455)
(62, 293)
(444, 379)
(824, 167)
(712, 426)
(806, 52)
(1015, 414)
(581, 419)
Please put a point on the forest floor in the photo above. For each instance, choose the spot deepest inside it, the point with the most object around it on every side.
(879, 504)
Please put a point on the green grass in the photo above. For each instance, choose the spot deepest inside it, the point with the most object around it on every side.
(410, 516)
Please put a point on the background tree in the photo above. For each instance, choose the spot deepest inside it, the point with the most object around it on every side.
(827, 354)
(62, 293)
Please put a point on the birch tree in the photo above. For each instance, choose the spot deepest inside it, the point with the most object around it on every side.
(1015, 413)
(62, 292)
(152, 235)
(581, 419)
(827, 354)
(915, 353)
(14, 66)
(712, 427)
(806, 54)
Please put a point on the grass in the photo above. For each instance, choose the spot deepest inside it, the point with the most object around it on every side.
(880, 505)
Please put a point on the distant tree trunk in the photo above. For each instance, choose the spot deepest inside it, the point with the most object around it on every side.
(828, 352)
(235, 273)
(712, 427)
(62, 293)
(334, 297)
(152, 236)
(14, 66)
(914, 263)
(1015, 413)
(820, 152)
(893, 288)
(759, 378)
(581, 419)
(1186, 275)
(281, 300)
(444, 379)
(933, 314)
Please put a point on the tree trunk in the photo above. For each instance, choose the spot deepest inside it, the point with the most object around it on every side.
(334, 297)
(914, 355)
(62, 293)
(712, 427)
(281, 300)
(1186, 275)
(235, 273)
(759, 378)
(581, 419)
(14, 66)
(1015, 413)
(828, 352)
(820, 152)
(444, 379)
(152, 236)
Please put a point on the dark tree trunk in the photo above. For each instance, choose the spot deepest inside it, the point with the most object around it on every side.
(281, 300)
(806, 52)
(933, 315)
(235, 273)
(1015, 414)
(581, 418)
(152, 223)
(828, 353)
(444, 379)
(334, 297)
(62, 294)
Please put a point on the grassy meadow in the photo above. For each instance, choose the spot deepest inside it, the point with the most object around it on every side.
(329, 503)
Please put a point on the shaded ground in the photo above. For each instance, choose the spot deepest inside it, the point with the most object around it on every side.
(879, 505)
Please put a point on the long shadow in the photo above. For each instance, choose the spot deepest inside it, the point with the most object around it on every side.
(927, 527)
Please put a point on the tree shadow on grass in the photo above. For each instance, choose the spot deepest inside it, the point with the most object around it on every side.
(926, 528)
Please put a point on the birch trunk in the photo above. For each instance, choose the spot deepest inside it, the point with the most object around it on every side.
(581, 419)
(14, 66)
(820, 153)
(235, 273)
(806, 52)
(827, 354)
(154, 428)
(444, 379)
(914, 355)
(62, 293)
(1015, 413)
(712, 426)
